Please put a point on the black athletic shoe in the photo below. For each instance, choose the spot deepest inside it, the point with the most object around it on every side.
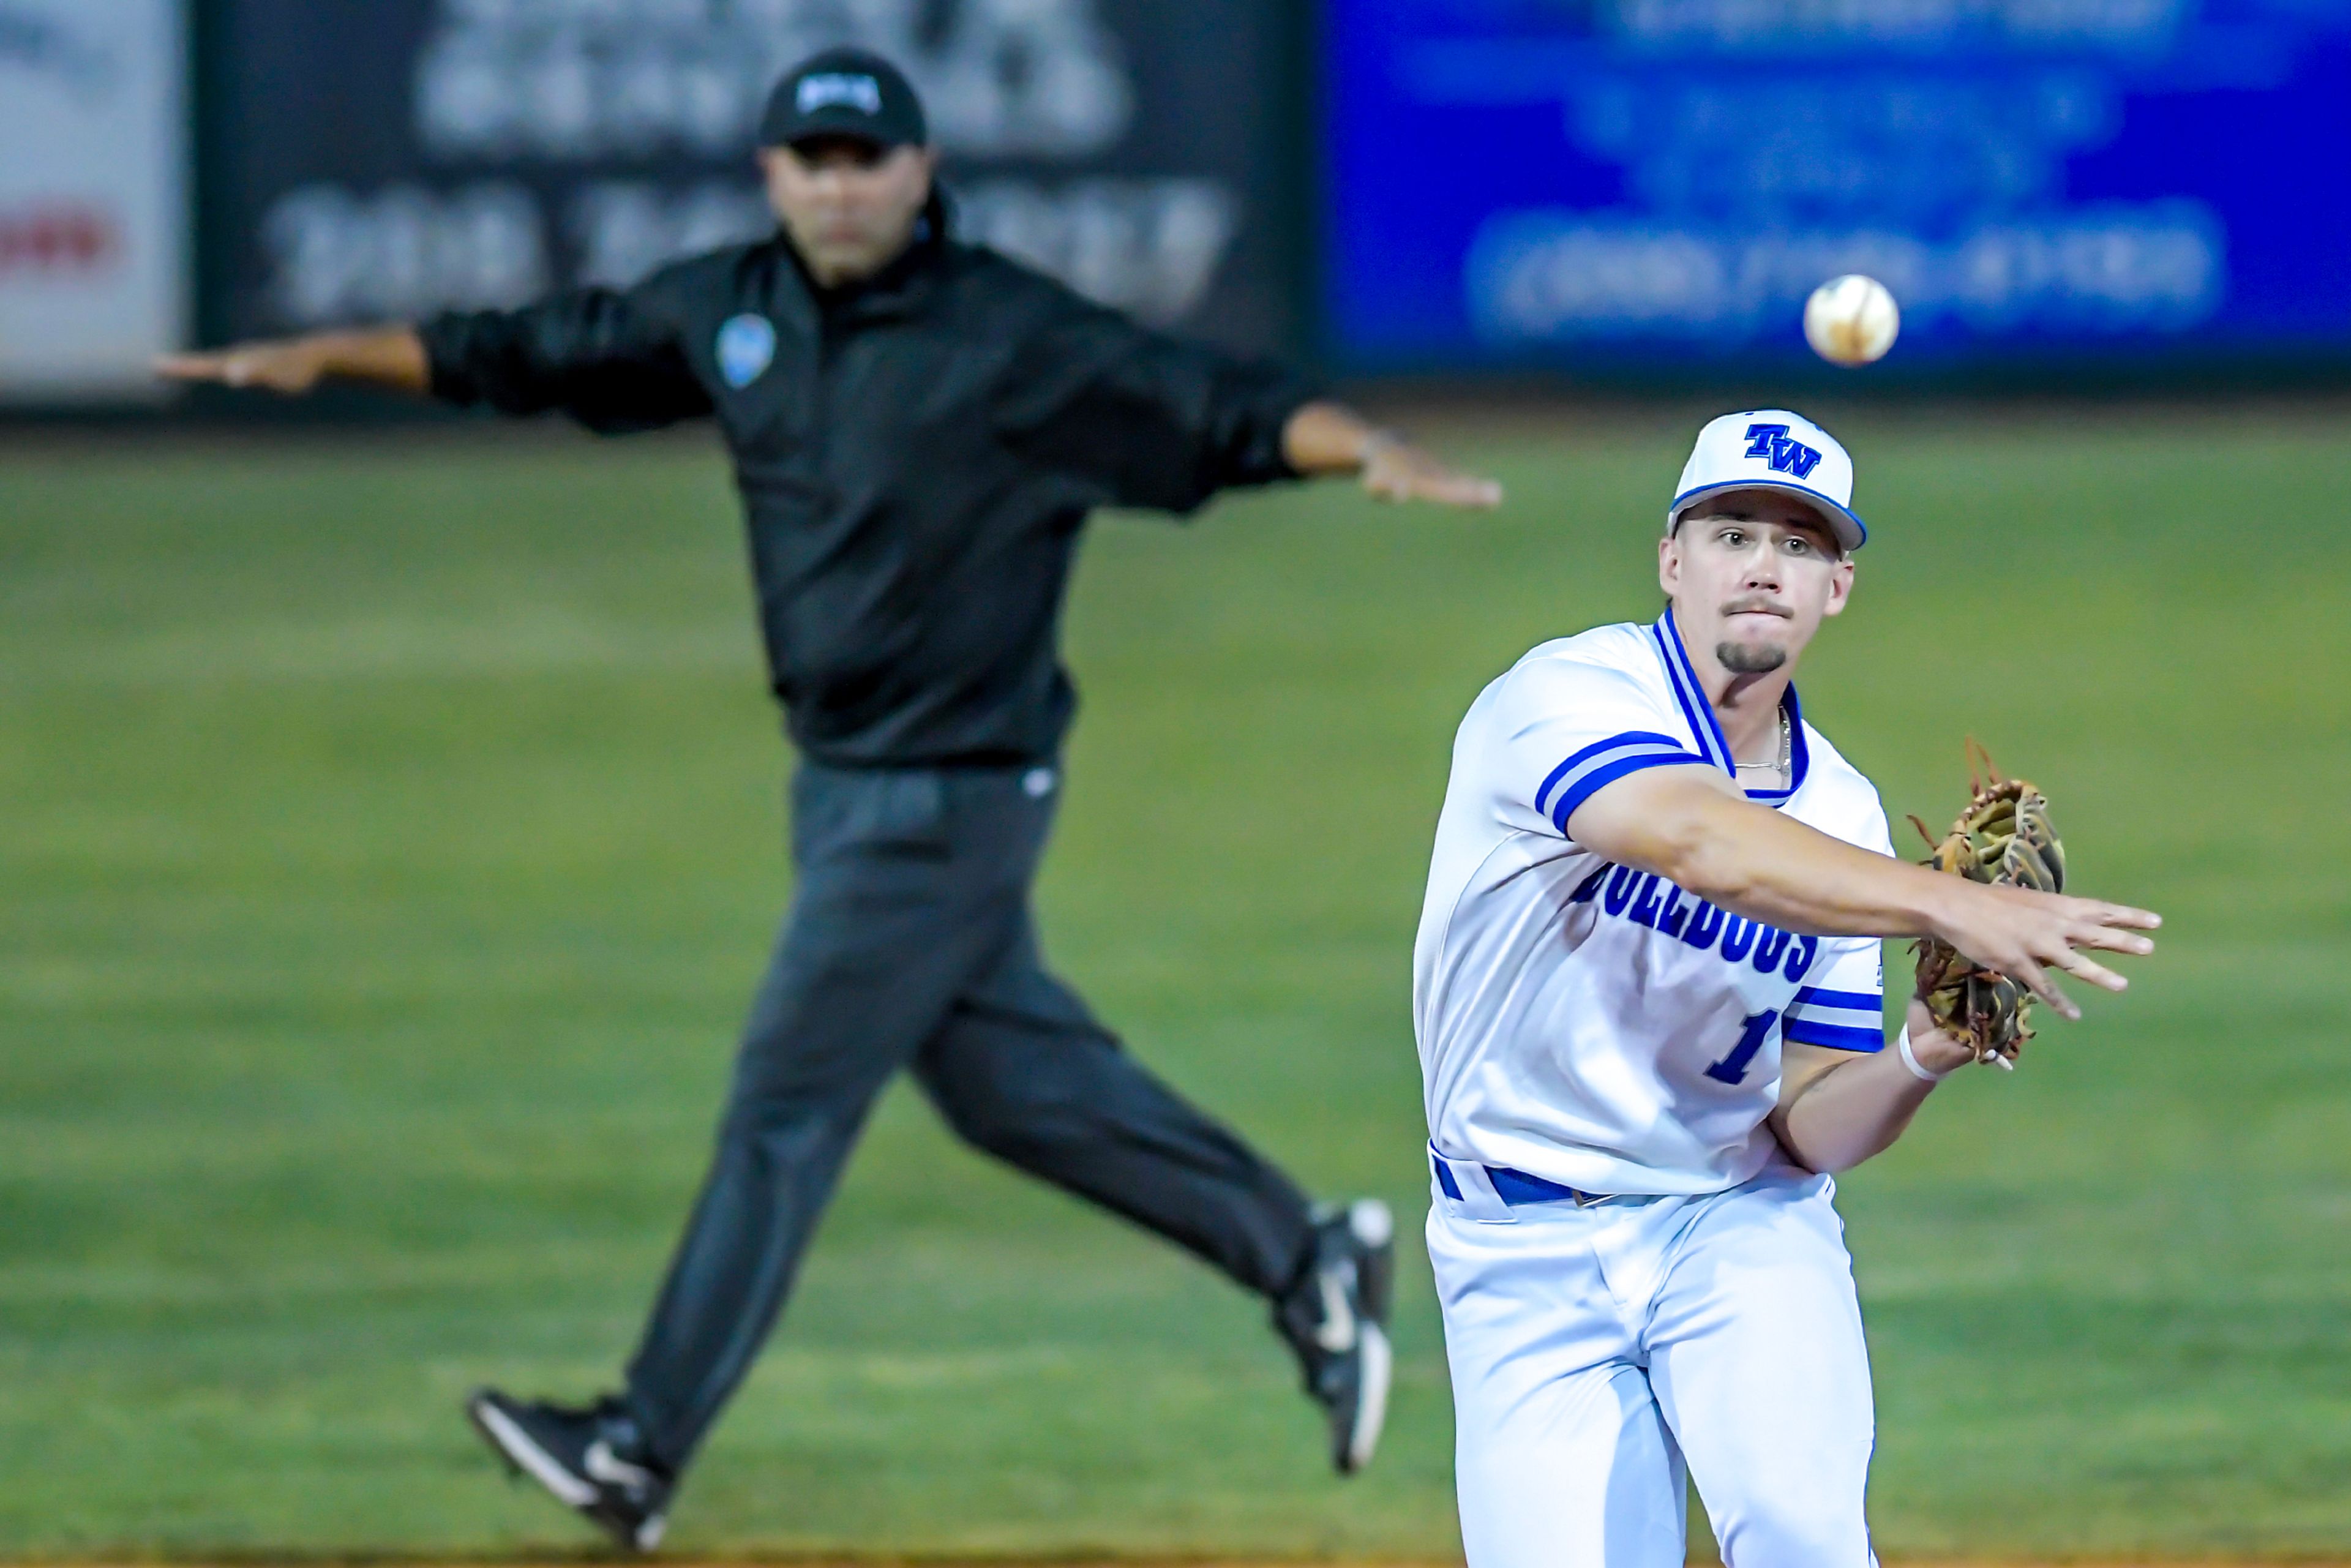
(592, 1458)
(1336, 1319)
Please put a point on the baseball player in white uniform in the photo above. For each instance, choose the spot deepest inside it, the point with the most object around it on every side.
(1647, 989)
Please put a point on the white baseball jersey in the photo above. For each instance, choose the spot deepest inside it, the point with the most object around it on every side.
(1591, 1025)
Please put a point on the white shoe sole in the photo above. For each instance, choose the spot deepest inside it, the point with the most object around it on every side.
(524, 1453)
(1372, 1404)
(518, 1446)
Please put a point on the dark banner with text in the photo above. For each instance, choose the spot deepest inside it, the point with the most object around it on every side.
(390, 160)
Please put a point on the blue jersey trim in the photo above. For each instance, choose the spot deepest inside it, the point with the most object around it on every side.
(1800, 755)
(1704, 731)
(1614, 743)
(1821, 996)
(1699, 714)
(1607, 773)
(1836, 1036)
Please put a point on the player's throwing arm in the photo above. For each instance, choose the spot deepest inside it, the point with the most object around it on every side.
(1691, 828)
(1648, 989)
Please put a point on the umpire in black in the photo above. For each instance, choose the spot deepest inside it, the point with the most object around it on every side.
(919, 429)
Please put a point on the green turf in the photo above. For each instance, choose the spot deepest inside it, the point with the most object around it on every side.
(390, 837)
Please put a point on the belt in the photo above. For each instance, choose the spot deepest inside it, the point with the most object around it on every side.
(1513, 1189)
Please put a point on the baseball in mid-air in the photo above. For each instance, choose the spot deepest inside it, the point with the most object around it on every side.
(1852, 320)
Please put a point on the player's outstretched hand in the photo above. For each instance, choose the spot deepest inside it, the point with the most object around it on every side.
(292, 366)
(1399, 471)
(2026, 934)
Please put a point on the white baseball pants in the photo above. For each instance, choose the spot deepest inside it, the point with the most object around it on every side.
(1596, 1352)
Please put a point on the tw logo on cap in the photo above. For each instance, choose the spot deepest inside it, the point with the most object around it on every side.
(1784, 452)
(829, 88)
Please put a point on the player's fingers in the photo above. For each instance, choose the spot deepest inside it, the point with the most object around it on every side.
(2083, 967)
(2035, 978)
(2125, 916)
(2111, 939)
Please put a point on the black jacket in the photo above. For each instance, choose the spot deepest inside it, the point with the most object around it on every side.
(917, 459)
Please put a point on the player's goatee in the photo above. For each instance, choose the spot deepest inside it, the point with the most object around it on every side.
(1741, 660)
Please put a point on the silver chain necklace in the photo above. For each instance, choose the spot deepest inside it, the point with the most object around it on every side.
(1787, 752)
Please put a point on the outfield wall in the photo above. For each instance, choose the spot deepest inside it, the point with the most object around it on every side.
(1606, 192)
(93, 196)
(1657, 184)
(406, 156)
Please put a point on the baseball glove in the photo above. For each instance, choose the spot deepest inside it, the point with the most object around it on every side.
(2003, 837)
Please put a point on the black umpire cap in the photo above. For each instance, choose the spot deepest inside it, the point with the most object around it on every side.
(844, 92)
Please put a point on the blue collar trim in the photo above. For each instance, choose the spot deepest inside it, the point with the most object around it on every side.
(1706, 730)
(1706, 733)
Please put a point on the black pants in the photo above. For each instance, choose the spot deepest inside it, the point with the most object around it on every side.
(909, 943)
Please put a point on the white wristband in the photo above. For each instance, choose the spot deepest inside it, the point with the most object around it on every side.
(1911, 1061)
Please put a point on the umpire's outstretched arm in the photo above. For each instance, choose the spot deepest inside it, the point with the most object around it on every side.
(593, 353)
(1161, 423)
(1154, 421)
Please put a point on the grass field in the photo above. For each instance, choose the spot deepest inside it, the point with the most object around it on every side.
(390, 832)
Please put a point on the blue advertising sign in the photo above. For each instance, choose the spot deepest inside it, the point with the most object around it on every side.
(1649, 181)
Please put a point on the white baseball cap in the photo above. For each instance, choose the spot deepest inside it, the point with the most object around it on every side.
(1773, 449)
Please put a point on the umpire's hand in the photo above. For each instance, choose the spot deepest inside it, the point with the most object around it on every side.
(1329, 438)
(1396, 470)
(391, 357)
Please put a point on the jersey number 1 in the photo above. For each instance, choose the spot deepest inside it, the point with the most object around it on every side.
(1732, 1069)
